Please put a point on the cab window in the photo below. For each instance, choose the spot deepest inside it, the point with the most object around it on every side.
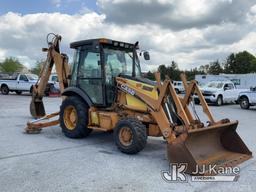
(55, 78)
(228, 86)
(89, 75)
(23, 78)
(90, 66)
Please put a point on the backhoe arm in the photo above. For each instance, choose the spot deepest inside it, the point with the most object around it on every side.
(61, 64)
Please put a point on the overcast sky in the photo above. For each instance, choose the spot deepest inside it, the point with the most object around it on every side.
(191, 32)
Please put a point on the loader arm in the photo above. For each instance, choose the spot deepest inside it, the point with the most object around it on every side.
(157, 108)
(191, 142)
(54, 57)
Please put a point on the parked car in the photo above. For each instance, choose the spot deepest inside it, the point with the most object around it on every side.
(18, 83)
(53, 79)
(52, 87)
(247, 98)
(178, 86)
(219, 92)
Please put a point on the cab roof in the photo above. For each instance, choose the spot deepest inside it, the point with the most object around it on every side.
(101, 41)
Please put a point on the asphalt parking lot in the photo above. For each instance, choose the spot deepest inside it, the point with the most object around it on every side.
(51, 162)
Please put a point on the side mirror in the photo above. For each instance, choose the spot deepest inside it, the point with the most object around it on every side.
(146, 55)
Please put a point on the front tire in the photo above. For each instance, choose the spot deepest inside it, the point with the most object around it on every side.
(74, 117)
(197, 101)
(219, 100)
(130, 135)
(5, 90)
(244, 103)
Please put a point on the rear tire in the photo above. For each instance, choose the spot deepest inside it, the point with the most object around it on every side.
(130, 135)
(5, 90)
(197, 101)
(31, 90)
(74, 117)
(244, 103)
(18, 92)
(219, 100)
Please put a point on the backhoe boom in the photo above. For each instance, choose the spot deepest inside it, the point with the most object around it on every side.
(54, 57)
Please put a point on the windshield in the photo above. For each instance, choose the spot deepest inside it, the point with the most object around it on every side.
(55, 78)
(32, 77)
(214, 85)
(120, 62)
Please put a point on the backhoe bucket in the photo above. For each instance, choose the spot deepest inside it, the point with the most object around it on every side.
(217, 145)
(37, 108)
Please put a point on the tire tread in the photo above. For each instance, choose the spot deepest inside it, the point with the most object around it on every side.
(81, 129)
(139, 131)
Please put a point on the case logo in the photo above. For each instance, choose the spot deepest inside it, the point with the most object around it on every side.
(127, 89)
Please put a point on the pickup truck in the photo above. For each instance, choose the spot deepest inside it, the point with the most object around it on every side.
(52, 88)
(178, 86)
(18, 84)
(53, 79)
(219, 92)
(247, 98)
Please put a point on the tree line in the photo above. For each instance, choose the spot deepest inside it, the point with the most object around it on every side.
(13, 65)
(236, 63)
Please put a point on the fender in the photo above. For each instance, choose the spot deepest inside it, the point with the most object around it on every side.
(3, 84)
(241, 96)
(70, 91)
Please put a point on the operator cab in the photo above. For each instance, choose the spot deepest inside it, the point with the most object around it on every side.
(96, 64)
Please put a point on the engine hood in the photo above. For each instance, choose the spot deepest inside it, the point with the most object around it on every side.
(139, 79)
(209, 89)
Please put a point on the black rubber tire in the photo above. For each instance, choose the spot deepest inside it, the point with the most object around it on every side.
(244, 103)
(219, 100)
(177, 91)
(81, 108)
(48, 88)
(18, 92)
(197, 101)
(5, 90)
(31, 90)
(139, 135)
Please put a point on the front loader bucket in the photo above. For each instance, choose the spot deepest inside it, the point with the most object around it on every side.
(204, 148)
(37, 108)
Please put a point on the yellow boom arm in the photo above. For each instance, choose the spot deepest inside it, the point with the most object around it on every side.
(54, 57)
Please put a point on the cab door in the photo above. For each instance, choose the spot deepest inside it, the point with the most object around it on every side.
(89, 77)
(23, 83)
(116, 62)
(228, 94)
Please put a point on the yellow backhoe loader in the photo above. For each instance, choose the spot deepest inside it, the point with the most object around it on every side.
(105, 91)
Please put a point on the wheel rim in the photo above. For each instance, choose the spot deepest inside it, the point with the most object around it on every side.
(219, 101)
(4, 90)
(70, 117)
(244, 103)
(125, 136)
